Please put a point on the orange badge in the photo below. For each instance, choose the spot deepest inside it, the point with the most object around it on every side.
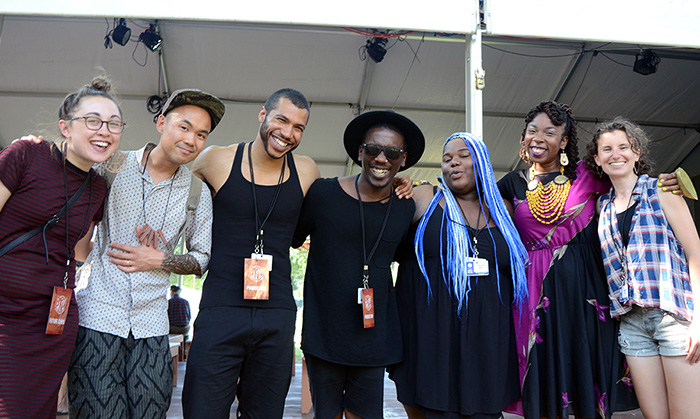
(60, 302)
(368, 307)
(256, 279)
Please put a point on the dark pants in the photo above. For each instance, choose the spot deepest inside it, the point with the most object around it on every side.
(337, 387)
(181, 330)
(239, 351)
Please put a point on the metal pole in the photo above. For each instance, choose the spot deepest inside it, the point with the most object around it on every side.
(474, 85)
(2, 20)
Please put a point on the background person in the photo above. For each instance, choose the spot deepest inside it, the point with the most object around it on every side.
(651, 253)
(179, 314)
(36, 181)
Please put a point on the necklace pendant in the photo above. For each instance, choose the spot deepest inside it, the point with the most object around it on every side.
(561, 179)
(533, 184)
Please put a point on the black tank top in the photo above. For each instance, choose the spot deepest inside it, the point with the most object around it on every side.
(233, 238)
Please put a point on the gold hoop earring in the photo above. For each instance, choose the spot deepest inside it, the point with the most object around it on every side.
(599, 171)
(563, 158)
(635, 169)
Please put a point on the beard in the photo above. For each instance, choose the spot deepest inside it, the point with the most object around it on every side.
(265, 133)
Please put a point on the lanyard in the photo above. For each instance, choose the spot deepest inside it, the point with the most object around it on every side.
(69, 250)
(259, 225)
(477, 230)
(367, 258)
(619, 249)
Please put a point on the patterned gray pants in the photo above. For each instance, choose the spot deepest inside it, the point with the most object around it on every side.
(113, 377)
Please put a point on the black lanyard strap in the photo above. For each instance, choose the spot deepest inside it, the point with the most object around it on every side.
(259, 225)
(367, 258)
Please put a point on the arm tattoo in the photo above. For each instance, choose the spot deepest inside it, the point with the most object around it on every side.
(182, 264)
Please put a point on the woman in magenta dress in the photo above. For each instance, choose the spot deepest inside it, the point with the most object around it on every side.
(36, 181)
(566, 342)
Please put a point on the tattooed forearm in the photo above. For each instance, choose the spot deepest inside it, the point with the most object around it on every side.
(182, 264)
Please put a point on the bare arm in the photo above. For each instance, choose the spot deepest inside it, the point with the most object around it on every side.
(422, 195)
(182, 264)
(510, 208)
(680, 220)
(146, 258)
(307, 171)
(84, 245)
(213, 166)
(4, 195)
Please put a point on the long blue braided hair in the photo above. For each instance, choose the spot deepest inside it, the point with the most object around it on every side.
(454, 259)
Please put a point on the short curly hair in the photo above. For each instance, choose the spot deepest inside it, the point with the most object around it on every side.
(560, 114)
(638, 140)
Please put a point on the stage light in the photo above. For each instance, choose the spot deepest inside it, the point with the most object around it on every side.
(647, 63)
(375, 49)
(151, 39)
(121, 33)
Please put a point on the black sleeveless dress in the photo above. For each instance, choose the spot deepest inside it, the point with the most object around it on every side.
(456, 366)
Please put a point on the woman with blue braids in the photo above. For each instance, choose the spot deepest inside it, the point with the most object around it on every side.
(458, 282)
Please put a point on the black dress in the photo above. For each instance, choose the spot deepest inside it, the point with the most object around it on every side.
(574, 366)
(456, 365)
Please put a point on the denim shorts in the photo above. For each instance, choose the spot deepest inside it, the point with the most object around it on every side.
(650, 331)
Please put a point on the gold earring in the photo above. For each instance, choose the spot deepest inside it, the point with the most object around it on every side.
(563, 158)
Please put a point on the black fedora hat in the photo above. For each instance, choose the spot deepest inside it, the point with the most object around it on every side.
(413, 137)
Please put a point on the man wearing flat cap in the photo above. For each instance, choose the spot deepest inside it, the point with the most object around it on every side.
(121, 365)
(351, 328)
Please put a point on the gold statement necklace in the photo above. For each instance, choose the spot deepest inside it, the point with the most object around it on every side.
(547, 202)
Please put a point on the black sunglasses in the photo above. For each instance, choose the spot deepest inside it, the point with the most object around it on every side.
(373, 150)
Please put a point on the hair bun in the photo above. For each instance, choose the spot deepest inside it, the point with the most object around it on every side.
(101, 84)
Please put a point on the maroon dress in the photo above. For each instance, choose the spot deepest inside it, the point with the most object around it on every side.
(32, 363)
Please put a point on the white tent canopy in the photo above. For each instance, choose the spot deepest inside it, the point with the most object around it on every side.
(582, 56)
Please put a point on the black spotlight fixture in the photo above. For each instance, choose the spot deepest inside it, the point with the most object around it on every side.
(376, 49)
(151, 39)
(121, 34)
(646, 63)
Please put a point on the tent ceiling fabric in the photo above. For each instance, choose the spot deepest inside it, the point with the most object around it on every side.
(422, 76)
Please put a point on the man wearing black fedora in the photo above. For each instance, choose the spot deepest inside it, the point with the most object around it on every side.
(351, 326)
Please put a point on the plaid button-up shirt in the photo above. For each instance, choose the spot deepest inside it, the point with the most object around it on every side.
(653, 266)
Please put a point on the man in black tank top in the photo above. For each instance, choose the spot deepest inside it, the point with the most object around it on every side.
(351, 327)
(243, 342)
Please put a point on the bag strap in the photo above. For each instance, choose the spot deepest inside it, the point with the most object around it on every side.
(48, 224)
(192, 203)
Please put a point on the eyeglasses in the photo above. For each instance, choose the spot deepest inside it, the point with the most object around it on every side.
(373, 150)
(94, 124)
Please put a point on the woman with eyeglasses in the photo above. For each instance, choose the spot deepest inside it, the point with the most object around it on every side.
(651, 253)
(459, 279)
(49, 199)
